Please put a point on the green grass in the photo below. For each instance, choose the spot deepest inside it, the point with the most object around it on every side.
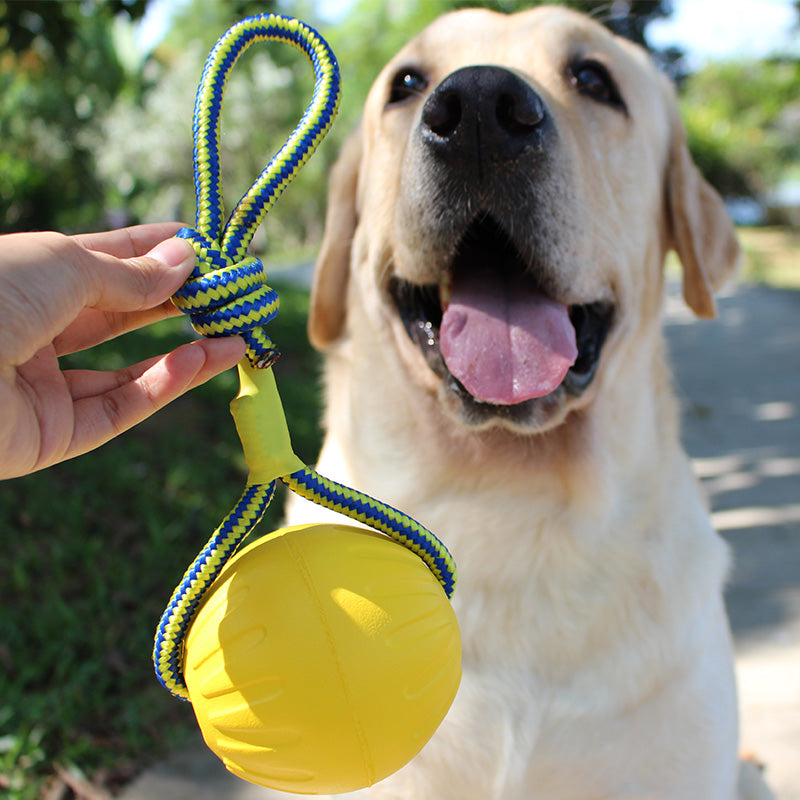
(92, 551)
(771, 256)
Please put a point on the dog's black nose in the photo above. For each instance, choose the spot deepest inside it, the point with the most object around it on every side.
(485, 112)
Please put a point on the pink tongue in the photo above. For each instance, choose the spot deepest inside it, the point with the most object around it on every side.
(505, 342)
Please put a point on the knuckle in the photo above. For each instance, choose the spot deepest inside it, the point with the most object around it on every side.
(144, 274)
(112, 410)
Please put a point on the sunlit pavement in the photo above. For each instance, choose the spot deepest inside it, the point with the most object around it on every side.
(739, 381)
(738, 378)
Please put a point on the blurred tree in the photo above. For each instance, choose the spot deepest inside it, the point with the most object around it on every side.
(58, 71)
(90, 130)
(149, 176)
(743, 120)
(23, 22)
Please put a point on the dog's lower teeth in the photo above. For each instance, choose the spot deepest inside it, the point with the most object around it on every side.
(426, 334)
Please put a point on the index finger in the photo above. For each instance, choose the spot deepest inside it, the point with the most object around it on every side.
(130, 242)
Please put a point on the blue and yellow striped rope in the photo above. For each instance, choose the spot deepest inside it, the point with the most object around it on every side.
(226, 294)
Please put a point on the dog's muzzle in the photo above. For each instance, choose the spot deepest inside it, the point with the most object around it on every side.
(493, 325)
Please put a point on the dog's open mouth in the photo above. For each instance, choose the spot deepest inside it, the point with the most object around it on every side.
(493, 333)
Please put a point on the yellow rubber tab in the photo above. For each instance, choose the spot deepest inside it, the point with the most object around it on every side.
(258, 413)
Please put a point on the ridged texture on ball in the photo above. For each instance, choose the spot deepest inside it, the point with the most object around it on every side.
(322, 660)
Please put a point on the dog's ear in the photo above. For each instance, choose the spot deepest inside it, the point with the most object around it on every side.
(701, 231)
(327, 313)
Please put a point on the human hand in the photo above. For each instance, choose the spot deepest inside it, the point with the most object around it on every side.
(61, 294)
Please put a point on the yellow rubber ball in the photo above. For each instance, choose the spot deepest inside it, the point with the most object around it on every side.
(322, 660)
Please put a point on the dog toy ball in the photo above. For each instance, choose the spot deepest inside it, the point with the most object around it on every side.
(321, 658)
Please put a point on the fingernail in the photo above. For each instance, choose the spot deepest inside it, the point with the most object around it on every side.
(174, 253)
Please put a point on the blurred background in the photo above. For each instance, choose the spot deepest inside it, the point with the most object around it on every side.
(96, 102)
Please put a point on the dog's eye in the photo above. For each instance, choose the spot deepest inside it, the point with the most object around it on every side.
(407, 82)
(593, 80)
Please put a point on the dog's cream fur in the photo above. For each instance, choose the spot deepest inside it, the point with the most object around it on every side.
(597, 654)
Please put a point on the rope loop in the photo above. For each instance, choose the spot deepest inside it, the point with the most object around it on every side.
(227, 293)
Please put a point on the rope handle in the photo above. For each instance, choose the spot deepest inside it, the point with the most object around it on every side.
(226, 294)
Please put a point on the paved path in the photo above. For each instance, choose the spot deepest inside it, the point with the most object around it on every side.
(739, 381)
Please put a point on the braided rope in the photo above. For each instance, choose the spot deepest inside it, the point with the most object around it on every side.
(226, 284)
(362, 508)
(203, 571)
(226, 294)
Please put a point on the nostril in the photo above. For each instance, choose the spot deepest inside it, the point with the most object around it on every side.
(519, 112)
(442, 113)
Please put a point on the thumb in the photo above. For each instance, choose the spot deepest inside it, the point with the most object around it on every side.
(141, 282)
(47, 279)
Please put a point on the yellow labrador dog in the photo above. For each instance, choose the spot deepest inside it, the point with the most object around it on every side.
(488, 296)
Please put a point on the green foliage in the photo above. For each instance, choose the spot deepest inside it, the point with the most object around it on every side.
(97, 133)
(148, 176)
(26, 24)
(21, 753)
(58, 71)
(743, 120)
(771, 256)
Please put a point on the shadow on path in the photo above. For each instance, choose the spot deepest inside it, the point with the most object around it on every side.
(738, 378)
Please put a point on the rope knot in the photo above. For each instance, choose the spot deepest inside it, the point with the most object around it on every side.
(224, 297)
